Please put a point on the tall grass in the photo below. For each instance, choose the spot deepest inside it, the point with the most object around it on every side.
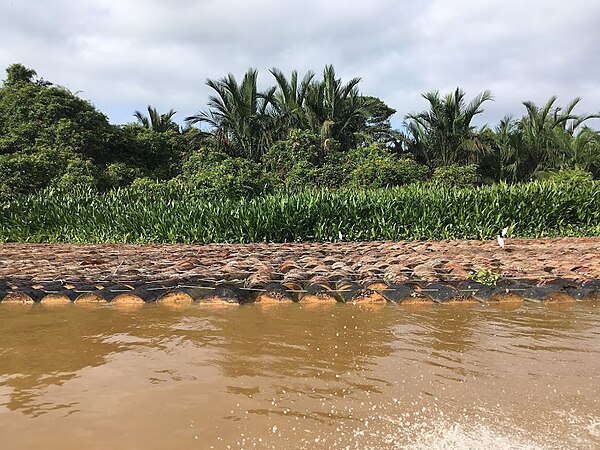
(170, 213)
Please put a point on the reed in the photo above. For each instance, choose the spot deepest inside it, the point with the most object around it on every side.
(177, 213)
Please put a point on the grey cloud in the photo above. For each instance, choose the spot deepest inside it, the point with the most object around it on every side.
(124, 55)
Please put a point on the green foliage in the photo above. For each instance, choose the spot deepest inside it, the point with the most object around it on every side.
(153, 154)
(23, 173)
(301, 161)
(573, 177)
(247, 122)
(218, 175)
(179, 212)
(301, 133)
(294, 162)
(378, 127)
(376, 167)
(157, 122)
(547, 138)
(302, 175)
(34, 117)
(78, 173)
(18, 74)
(119, 175)
(300, 146)
(238, 114)
(444, 134)
(458, 176)
(486, 276)
(50, 136)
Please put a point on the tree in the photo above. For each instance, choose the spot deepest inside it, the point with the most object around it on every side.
(239, 115)
(289, 98)
(39, 116)
(335, 110)
(377, 127)
(157, 122)
(547, 137)
(48, 136)
(581, 151)
(156, 155)
(444, 134)
(18, 73)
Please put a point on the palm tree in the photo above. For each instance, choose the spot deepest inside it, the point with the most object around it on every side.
(160, 123)
(240, 115)
(336, 110)
(515, 163)
(414, 140)
(447, 132)
(580, 151)
(289, 98)
(548, 137)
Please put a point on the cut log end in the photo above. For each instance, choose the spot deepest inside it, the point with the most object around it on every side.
(127, 299)
(175, 298)
(55, 299)
(367, 297)
(319, 298)
(17, 298)
(90, 299)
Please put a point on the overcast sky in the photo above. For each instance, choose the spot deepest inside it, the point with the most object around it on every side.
(125, 54)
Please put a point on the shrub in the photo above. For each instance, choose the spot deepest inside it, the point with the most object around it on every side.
(376, 167)
(119, 174)
(457, 176)
(154, 154)
(302, 175)
(219, 175)
(79, 173)
(299, 147)
(24, 173)
(570, 176)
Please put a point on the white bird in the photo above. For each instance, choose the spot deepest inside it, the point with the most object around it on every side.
(340, 235)
(500, 241)
(501, 237)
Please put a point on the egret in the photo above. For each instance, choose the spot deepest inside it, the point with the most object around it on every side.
(501, 237)
(500, 241)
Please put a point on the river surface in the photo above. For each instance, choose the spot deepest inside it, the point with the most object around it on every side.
(293, 376)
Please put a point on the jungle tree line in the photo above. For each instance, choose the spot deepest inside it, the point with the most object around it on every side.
(302, 131)
(246, 123)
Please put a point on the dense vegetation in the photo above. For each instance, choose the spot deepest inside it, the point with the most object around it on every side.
(178, 213)
(302, 132)
(306, 158)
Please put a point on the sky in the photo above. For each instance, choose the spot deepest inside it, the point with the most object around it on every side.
(123, 55)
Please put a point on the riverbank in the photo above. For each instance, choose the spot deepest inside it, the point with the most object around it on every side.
(536, 259)
(297, 271)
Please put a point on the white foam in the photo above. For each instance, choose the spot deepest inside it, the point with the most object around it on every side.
(470, 437)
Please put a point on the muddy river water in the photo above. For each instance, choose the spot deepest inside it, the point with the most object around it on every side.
(293, 376)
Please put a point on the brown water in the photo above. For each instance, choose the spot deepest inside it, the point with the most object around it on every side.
(288, 376)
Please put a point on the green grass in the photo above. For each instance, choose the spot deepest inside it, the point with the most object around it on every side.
(167, 213)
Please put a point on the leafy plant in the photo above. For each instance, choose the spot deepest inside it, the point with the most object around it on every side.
(486, 276)
(376, 167)
(455, 175)
(178, 211)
